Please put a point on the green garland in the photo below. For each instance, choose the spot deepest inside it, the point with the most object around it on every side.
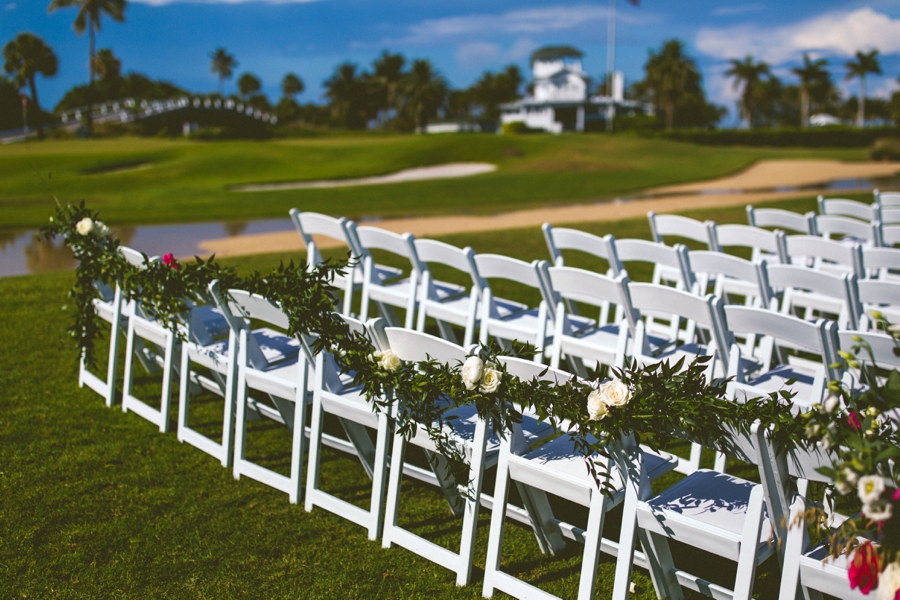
(656, 403)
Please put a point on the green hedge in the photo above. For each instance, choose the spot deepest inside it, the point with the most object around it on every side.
(825, 137)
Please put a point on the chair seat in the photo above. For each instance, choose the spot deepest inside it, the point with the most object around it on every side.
(443, 291)
(776, 379)
(213, 320)
(718, 501)
(525, 323)
(384, 274)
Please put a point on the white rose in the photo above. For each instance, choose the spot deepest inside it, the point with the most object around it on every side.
(490, 380)
(878, 511)
(596, 405)
(870, 488)
(851, 476)
(84, 226)
(889, 582)
(831, 403)
(101, 229)
(387, 360)
(894, 329)
(843, 488)
(813, 430)
(615, 393)
(471, 372)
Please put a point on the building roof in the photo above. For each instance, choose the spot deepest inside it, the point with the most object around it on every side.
(551, 53)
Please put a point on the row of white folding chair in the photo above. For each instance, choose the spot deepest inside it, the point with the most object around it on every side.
(887, 199)
(844, 207)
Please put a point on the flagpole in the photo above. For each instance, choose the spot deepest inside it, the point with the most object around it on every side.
(610, 63)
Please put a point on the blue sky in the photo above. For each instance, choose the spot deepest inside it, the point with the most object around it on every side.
(172, 39)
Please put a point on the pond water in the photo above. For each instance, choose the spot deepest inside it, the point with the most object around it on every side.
(21, 253)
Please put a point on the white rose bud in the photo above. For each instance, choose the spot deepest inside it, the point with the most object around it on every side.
(894, 329)
(490, 381)
(101, 229)
(616, 393)
(813, 430)
(870, 488)
(831, 403)
(843, 488)
(596, 405)
(84, 226)
(388, 361)
(851, 476)
(878, 511)
(471, 372)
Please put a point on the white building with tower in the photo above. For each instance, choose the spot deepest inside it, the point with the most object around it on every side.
(559, 98)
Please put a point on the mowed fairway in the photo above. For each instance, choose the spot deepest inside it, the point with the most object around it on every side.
(161, 181)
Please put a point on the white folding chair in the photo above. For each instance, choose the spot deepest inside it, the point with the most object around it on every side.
(112, 308)
(886, 199)
(849, 231)
(773, 330)
(680, 226)
(881, 263)
(890, 235)
(280, 371)
(843, 207)
(811, 294)
(881, 347)
(607, 342)
(877, 294)
(311, 224)
(386, 286)
(504, 319)
(734, 277)
(890, 216)
(554, 468)
(469, 433)
(344, 400)
(763, 244)
(782, 219)
(448, 303)
(824, 254)
(715, 512)
(665, 260)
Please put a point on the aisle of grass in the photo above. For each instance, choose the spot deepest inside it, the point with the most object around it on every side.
(163, 181)
(95, 503)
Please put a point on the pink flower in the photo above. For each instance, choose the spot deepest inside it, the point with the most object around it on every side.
(864, 568)
(852, 420)
(170, 261)
(896, 495)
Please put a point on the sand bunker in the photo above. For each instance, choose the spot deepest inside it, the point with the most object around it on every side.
(447, 171)
(763, 175)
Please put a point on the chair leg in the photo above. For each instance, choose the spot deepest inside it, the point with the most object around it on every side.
(392, 506)
(445, 479)
(315, 444)
(473, 504)
(184, 395)
(592, 538)
(659, 557)
(546, 529)
(498, 514)
(113, 360)
(168, 369)
(379, 477)
(240, 418)
(361, 441)
(129, 365)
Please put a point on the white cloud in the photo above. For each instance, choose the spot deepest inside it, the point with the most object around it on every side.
(527, 21)
(728, 11)
(477, 54)
(167, 2)
(10, 6)
(835, 32)
(521, 49)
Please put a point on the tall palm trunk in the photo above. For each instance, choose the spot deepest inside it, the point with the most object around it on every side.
(804, 107)
(89, 123)
(38, 117)
(861, 112)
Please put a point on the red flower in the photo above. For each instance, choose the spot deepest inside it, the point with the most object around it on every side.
(864, 568)
(170, 261)
(852, 420)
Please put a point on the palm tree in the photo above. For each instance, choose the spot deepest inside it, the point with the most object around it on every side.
(346, 93)
(865, 63)
(670, 72)
(248, 84)
(222, 65)
(89, 13)
(749, 74)
(423, 91)
(25, 57)
(106, 64)
(387, 73)
(811, 74)
(291, 85)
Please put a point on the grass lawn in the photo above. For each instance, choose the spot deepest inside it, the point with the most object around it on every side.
(162, 181)
(95, 503)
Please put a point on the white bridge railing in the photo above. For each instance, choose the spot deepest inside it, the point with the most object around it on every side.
(131, 109)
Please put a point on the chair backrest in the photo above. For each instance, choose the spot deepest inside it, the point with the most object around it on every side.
(880, 261)
(817, 337)
(497, 266)
(880, 294)
(561, 238)
(309, 224)
(789, 279)
(372, 330)
(635, 250)
(804, 247)
(830, 226)
(423, 251)
(376, 238)
(578, 285)
(416, 346)
(890, 216)
(685, 227)
(881, 344)
(526, 370)
(781, 219)
(718, 264)
(136, 258)
(842, 207)
(762, 241)
(890, 235)
(704, 311)
(887, 199)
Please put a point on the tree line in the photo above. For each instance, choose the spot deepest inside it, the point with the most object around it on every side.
(406, 95)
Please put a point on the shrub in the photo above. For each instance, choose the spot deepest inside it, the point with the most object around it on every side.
(885, 149)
